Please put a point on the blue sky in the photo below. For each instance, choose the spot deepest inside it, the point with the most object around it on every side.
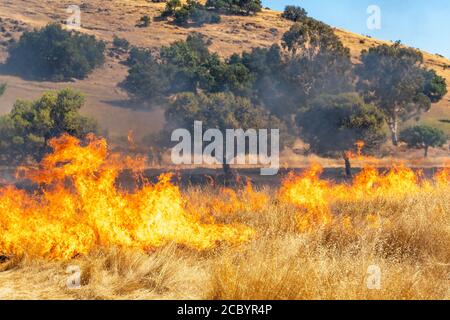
(424, 24)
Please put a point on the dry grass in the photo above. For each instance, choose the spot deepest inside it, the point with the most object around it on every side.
(409, 242)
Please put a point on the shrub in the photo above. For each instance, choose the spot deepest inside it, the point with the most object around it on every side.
(121, 43)
(247, 7)
(191, 13)
(53, 53)
(144, 22)
(294, 13)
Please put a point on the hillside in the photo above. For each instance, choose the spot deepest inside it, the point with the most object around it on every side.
(104, 19)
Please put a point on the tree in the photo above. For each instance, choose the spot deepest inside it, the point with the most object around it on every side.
(333, 124)
(190, 13)
(53, 53)
(171, 7)
(423, 137)
(184, 66)
(317, 62)
(294, 13)
(435, 87)
(250, 7)
(147, 79)
(266, 67)
(247, 7)
(25, 131)
(218, 111)
(395, 80)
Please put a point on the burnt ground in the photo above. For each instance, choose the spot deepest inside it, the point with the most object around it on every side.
(209, 177)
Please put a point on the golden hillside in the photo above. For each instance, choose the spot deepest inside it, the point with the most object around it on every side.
(104, 19)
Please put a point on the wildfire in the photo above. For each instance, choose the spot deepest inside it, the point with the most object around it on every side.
(314, 197)
(79, 207)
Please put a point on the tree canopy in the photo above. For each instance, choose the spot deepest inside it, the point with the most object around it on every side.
(25, 131)
(184, 66)
(396, 81)
(423, 137)
(294, 13)
(53, 53)
(333, 124)
(246, 7)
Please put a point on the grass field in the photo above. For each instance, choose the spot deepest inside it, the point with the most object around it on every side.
(279, 263)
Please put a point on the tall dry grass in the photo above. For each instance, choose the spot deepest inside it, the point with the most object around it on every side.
(407, 237)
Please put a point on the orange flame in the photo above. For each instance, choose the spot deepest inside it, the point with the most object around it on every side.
(313, 197)
(79, 207)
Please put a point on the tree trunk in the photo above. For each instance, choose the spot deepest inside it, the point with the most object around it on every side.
(393, 125)
(426, 152)
(348, 166)
(228, 173)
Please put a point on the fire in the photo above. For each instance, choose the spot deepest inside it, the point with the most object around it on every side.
(314, 197)
(79, 207)
(231, 201)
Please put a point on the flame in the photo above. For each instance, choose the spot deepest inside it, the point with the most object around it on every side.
(79, 207)
(244, 200)
(314, 197)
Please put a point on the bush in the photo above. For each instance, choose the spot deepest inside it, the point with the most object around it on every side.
(53, 53)
(144, 22)
(423, 137)
(121, 43)
(247, 7)
(191, 13)
(294, 13)
(334, 123)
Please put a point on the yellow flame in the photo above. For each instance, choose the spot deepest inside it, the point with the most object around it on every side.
(313, 197)
(79, 207)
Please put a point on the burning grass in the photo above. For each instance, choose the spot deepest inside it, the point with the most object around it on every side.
(309, 239)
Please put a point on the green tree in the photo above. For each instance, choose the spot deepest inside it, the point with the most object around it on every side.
(333, 124)
(171, 8)
(190, 13)
(184, 66)
(55, 54)
(25, 131)
(250, 7)
(317, 63)
(147, 79)
(395, 80)
(423, 137)
(294, 13)
(218, 111)
(247, 7)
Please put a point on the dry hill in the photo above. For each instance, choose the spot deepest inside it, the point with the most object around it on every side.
(106, 101)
